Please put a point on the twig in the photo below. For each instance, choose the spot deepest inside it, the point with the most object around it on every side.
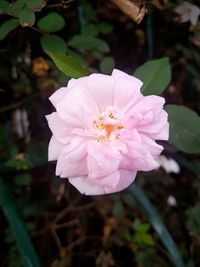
(131, 9)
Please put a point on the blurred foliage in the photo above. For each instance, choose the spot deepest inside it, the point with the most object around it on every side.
(42, 45)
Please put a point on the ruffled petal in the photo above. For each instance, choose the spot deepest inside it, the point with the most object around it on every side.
(54, 149)
(85, 186)
(101, 88)
(102, 159)
(126, 178)
(60, 128)
(80, 105)
(72, 161)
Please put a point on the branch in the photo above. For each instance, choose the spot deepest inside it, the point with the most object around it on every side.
(131, 9)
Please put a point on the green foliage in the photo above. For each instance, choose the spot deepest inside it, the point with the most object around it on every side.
(85, 42)
(184, 128)
(7, 27)
(26, 17)
(52, 22)
(68, 65)
(152, 215)
(107, 65)
(155, 74)
(193, 220)
(25, 246)
(53, 44)
(35, 5)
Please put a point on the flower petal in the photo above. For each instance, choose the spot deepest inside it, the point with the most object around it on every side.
(126, 178)
(72, 161)
(60, 129)
(101, 88)
(54, 149)
(78, 104)
(102, 159)
(85, 186)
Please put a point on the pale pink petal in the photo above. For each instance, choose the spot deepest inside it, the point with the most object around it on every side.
(102, 159)
(54, 149)
(101, 88)
(58, 96)
(85, 186)
(146, 104)
(126, 92)
(59, 128)
(116, 74)
(79, 104)
(138, 158)
(110, 180)
(151, 145)
(126, 178)
(72, 161)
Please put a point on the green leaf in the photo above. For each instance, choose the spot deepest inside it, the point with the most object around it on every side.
(25, 246)
(7, 27)
(4, 5)
(90, 30)
(152, 215)
(53, 44)
(88, 43)
(26, 17)
(35, 5)
(52, 22)
(155, 74)
(105, 28)
(107, 65)
(68, 65)
(184, 128)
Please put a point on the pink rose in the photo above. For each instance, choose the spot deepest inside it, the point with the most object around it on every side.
(104, 131)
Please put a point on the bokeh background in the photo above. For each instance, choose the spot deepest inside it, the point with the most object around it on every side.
(64, 227)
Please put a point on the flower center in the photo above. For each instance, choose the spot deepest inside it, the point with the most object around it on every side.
(189, 10)
(108, 124)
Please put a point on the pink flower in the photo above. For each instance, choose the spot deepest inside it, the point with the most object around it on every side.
(104, 131)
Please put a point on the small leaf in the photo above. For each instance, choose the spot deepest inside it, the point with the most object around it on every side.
(26, 17)
(107, 65)
(184, 128)
(35, 5)
(7, 27)
(88, 43)
(155, 74)
(68, 65)
(90, 30)
(53, 44)
(52, 22)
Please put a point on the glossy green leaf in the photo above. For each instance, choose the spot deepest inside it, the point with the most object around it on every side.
(184, 128)
(68, 65)
(107, 65)
(155, 74)
(26, 17)
(152, 215)
(53, 44)
(52, 22)
(7, 27)
(35, 5)
(25, 246)
(88, 43)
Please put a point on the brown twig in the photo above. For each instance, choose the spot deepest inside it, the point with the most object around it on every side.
(131, 9)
